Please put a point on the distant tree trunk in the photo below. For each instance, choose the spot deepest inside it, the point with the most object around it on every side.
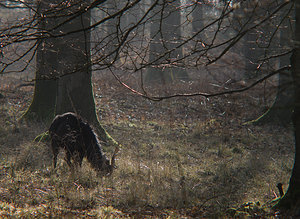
(198, 22)
(251, 53)
(251, 48)
(165, 34)
(282, 109)
(291, 200)
(112, 30)
(42, 107)
(198, 18)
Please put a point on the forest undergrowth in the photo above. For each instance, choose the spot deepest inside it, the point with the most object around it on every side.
(183, 157)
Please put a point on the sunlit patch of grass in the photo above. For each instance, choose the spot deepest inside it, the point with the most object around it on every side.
(47, 211)
(151, 184)
(33, 156)
(234, 169)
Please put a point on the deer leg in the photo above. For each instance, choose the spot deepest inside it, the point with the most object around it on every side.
(77, 157)
(55, 150)
(80, 159)
(68, 159)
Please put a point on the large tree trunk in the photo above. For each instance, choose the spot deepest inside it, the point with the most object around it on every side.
(280, 113)
(42, 107)
(74, 92)
(166, 34)
(291, 200)
(68, 61)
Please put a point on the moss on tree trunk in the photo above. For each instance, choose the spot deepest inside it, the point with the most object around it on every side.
(42, 107)
(290, 203)
(280, 113)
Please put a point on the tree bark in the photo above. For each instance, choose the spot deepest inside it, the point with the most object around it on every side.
(42, 107)
(68, 61)
(291, 200)
(280, 113)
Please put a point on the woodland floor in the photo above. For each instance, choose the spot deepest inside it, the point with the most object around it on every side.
(181, 157)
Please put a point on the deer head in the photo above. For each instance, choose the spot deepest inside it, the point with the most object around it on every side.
(108, 167)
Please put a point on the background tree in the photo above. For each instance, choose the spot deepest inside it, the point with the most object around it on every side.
(198, 17)
(165, 35)
(291, 200)
(282, 109)
(112, 29)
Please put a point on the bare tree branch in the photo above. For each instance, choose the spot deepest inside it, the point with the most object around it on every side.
(206, 95)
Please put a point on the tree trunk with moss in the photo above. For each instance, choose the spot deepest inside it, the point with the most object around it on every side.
(42, 107)
(74, 91)
(290, 202)
(69, 62)
(282, 109)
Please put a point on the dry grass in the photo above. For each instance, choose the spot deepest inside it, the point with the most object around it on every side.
(179, 158)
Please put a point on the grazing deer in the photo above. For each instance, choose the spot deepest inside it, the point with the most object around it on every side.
(76, 137)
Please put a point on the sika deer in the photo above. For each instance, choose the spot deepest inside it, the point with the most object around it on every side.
(71, 133)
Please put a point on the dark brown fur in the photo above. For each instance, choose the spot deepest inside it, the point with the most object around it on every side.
(69, 132)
